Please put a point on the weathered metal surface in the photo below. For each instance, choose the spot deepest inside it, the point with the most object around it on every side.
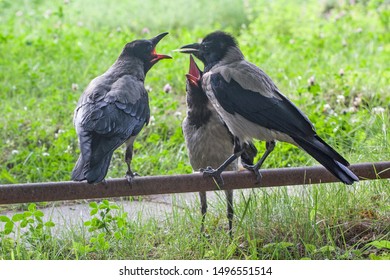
(55, 191)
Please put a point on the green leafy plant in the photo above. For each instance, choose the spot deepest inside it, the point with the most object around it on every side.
(31, 220)
(25, 228)
(107, 222)
(383, 246)
(106, 217)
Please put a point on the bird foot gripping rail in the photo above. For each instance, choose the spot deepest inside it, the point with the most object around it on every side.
(148, 185)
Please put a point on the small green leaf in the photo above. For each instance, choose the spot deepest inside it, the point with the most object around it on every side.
(103, 206)
(50, 224)
(24, 223)
(380, 257)
(93, 211)
(39, 226)
(120, 223)
(4, 219)
(32, 207)
(93, 204)
(117, 235)
(27, 214)
(38, 213)
(8, 227)
(18, 217)
(380, 244)
(87, 223)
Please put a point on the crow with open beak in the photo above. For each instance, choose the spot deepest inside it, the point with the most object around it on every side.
(253, 107)
(113, 109)
(208, 140)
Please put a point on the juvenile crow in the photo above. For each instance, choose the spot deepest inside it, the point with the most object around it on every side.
(113, 109)
(253, 107)
(208, 139)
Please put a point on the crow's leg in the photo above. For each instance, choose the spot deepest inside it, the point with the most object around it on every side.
(128, 157)
(203, 209)
(216, 173)
(255, 168)
(249, 154)
(230, 210)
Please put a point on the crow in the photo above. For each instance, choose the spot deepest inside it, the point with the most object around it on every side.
(208, 140)
(113, 109)
(253, 107)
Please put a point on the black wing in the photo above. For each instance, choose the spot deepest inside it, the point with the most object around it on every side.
(277, 113)
(106, 123)
(272, 110)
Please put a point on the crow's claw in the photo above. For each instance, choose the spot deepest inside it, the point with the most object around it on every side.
(130, 175)
(208, 168)
(214, 173)
(255, 170)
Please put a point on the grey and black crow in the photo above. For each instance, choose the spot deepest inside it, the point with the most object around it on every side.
(253, 107)
(208, 140)
(113, 109)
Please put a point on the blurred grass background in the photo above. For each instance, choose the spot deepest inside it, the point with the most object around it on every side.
(329, 57)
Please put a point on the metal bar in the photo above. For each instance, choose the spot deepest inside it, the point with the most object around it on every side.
(55, 191)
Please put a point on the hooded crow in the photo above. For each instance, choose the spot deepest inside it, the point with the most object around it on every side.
(113, 109)
(253, 107)
(208, 140)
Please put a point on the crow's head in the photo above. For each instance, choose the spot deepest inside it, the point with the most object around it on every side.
(145, 50)
(213, 47)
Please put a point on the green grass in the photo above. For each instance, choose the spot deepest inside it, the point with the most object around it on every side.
(51, 50)
(320, 222)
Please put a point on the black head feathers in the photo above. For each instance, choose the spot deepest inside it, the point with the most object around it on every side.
(224, 39)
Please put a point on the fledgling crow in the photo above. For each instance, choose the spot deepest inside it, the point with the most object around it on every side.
(208, 140)
(113, 109)
(253, 107)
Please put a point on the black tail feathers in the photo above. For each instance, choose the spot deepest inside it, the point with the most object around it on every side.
(77, 172)
(93, 174)
(329, 158)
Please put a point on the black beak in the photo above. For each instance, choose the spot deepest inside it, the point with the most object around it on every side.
(191, 48)
(158, 38)
(156, 56)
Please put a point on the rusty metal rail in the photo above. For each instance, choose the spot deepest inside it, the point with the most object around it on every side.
(55, 191)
